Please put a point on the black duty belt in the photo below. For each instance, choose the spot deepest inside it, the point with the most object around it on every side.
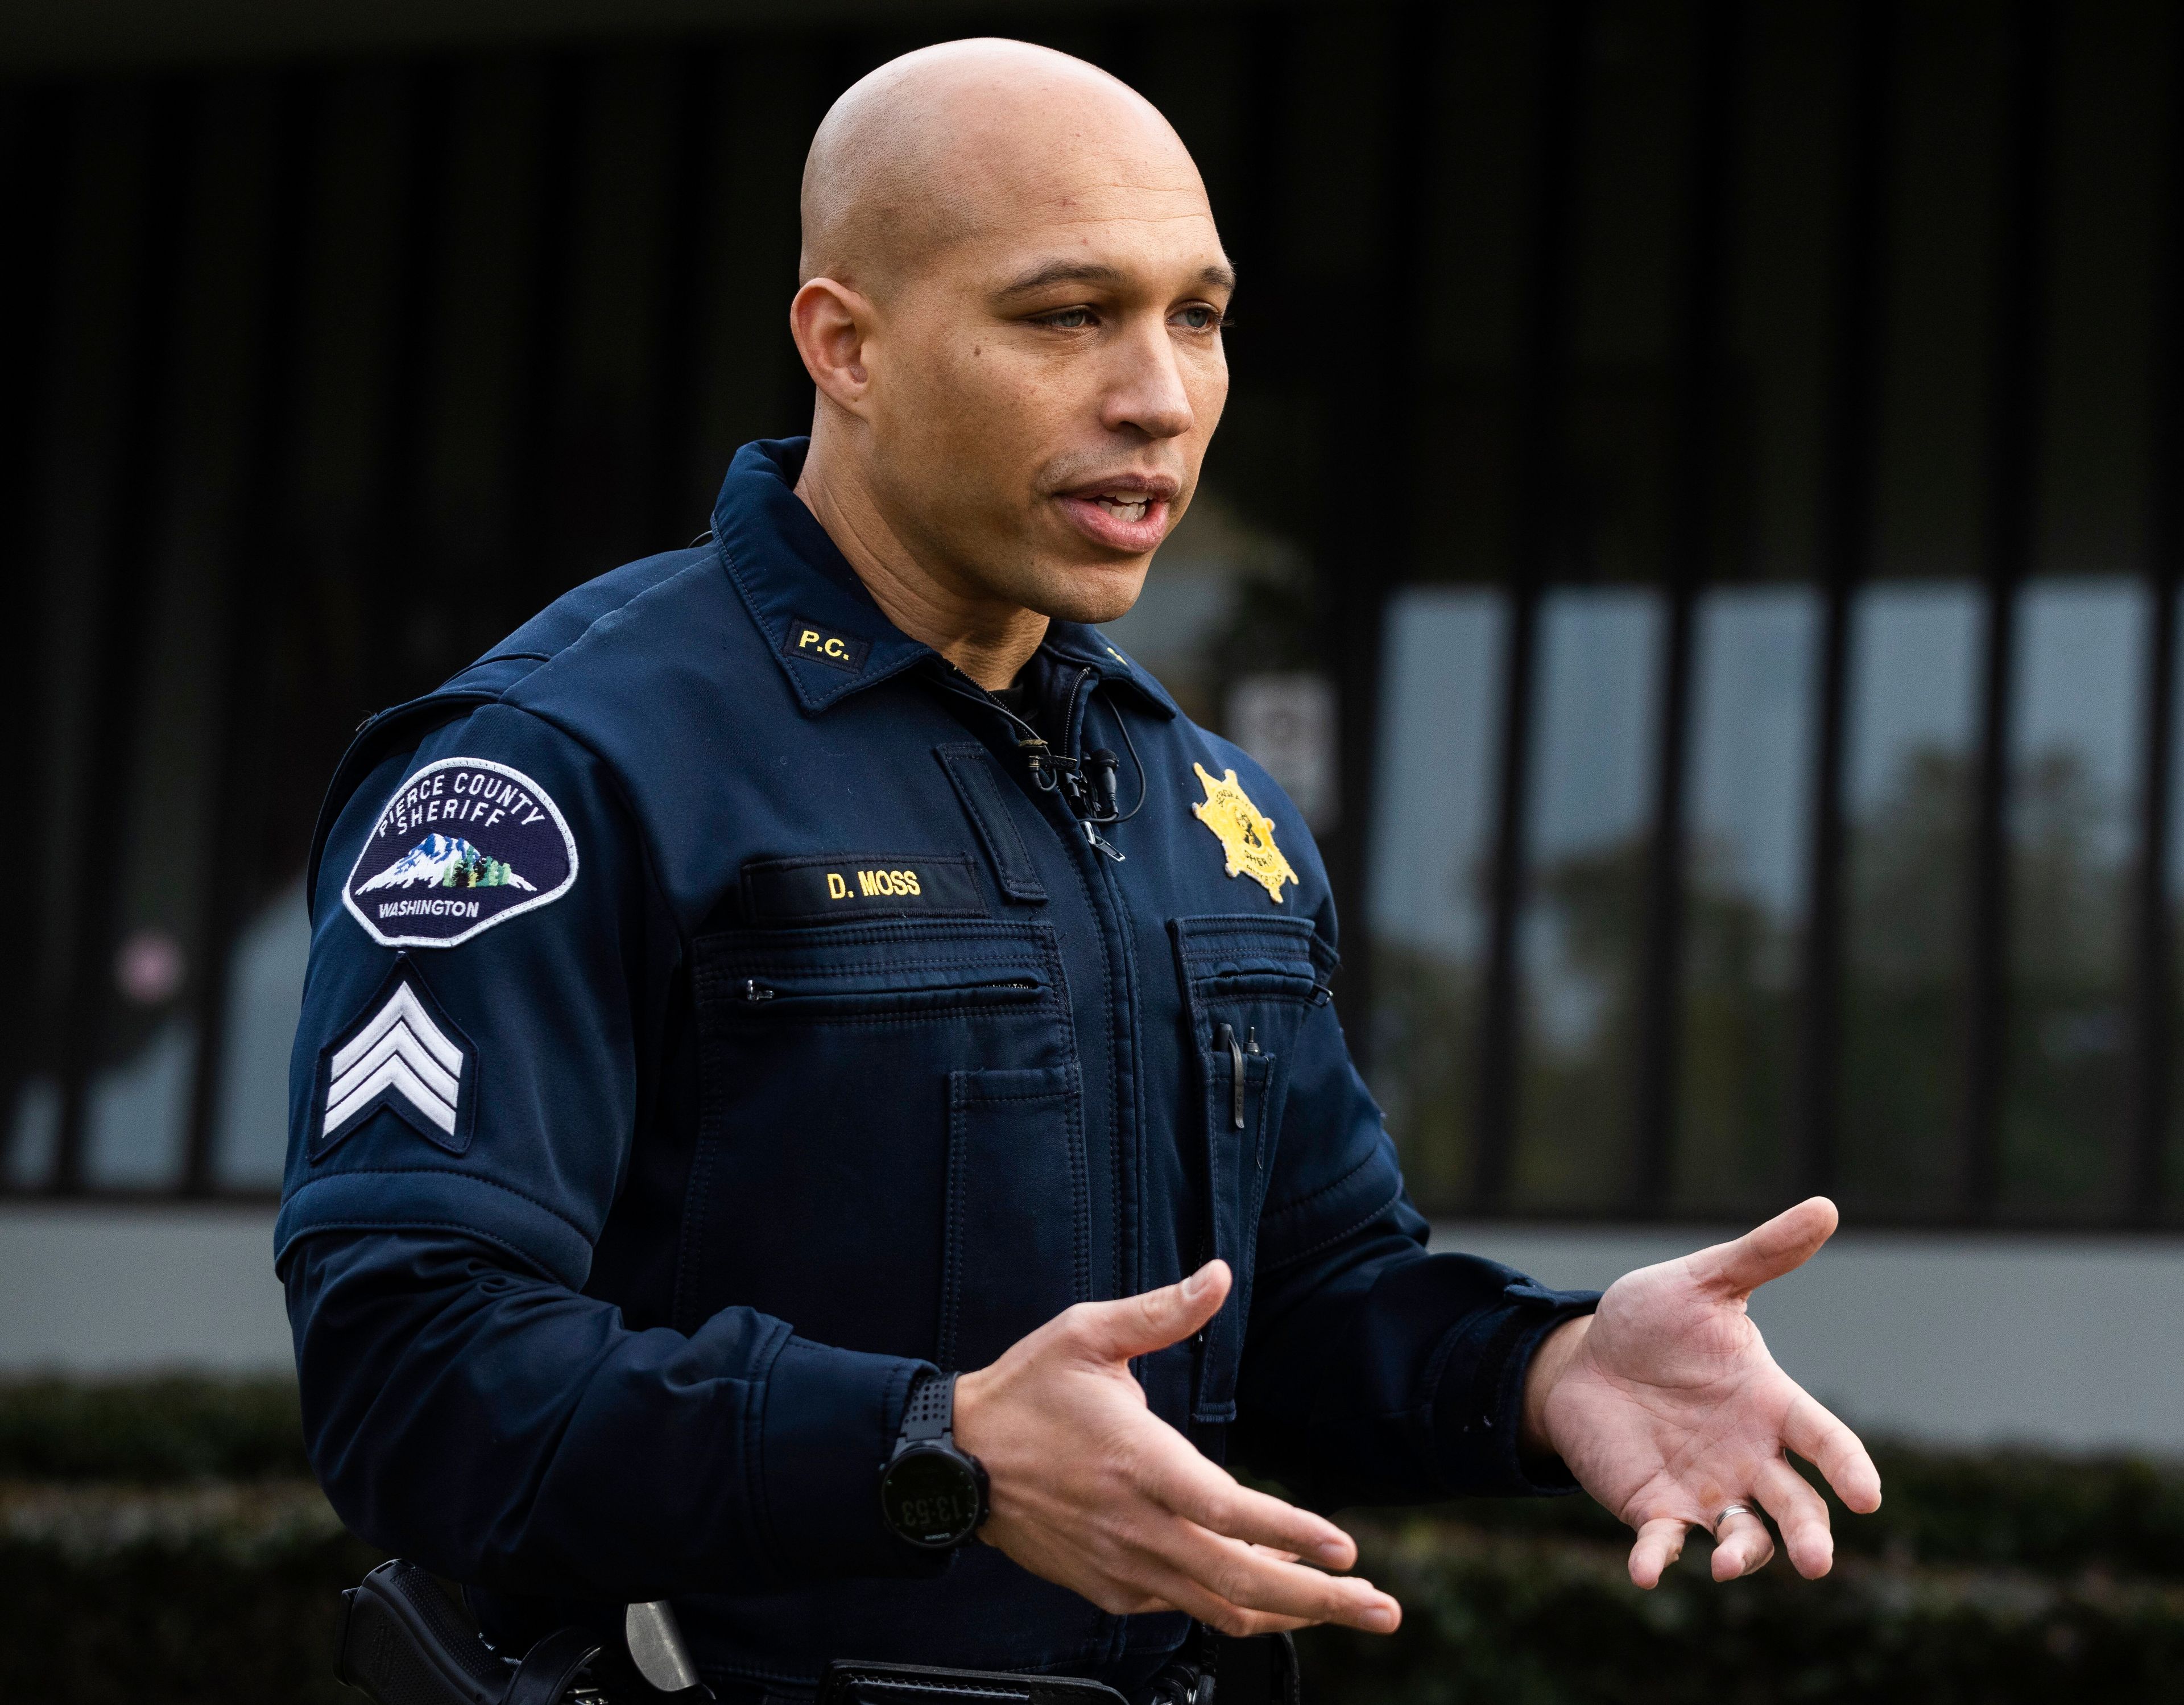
(1211, 1667)
(404, 1640)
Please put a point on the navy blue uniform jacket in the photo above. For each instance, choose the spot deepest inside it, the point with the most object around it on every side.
(709, 1024)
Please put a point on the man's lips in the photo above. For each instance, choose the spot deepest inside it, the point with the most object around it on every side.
(1128, 516)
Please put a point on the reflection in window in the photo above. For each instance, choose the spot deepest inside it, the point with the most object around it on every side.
(36, 1139)
(136, 1112)
(1909, 782)
(2074, 772)
(1746, 845)
(1428, 899)
(265, 993)
(2173, 886)
(1581, 933)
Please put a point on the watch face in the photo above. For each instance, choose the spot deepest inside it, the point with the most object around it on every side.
(930, 1496)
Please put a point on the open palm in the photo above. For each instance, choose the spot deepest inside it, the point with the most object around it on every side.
(1670, 1409)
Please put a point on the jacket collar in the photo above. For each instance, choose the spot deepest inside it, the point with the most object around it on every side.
(823, 628)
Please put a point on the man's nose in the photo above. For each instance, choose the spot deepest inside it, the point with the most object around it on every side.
(1146, 389)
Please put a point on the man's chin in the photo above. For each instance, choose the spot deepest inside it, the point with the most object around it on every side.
(1091, 613)
(1090, 594)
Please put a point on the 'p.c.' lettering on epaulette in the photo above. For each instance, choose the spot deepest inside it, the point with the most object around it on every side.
(828, 646)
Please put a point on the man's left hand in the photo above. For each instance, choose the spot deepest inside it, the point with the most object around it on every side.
(1668, 1410)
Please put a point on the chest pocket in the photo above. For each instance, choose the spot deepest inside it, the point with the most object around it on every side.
(890, 1144)
(1248, 984)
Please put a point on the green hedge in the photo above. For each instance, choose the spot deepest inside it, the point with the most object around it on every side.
(1519, 1619)
(157, 1543)
(125, 1595)
(150, 1432)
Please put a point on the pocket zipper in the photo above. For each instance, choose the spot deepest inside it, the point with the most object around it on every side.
(752, 992)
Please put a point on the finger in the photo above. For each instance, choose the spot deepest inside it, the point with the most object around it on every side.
(1211, 1497)
(1741, 1544)
(1249, 1580)
(1801, 1514)
(1781, 1245)
(1169, 1589)
(1152, 1320)
(1660, 1543)
(1836, 1451)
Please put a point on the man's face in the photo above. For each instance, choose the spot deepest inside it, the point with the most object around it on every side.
(1044, 389)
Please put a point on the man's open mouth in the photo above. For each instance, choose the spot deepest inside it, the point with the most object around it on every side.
(1124, 506)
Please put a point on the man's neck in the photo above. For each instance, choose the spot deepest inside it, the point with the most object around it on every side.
(989, 641)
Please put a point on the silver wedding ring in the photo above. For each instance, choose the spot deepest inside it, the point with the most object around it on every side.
(1729, 1510)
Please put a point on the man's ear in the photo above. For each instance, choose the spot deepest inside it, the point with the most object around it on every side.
(831, 323)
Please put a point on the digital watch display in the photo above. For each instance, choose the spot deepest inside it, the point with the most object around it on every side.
(933, 1493)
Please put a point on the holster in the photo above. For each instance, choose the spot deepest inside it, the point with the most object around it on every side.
(402, 1640)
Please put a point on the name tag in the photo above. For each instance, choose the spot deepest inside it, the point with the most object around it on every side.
(861, 885)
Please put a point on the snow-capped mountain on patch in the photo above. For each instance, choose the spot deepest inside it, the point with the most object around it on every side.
(445, 861)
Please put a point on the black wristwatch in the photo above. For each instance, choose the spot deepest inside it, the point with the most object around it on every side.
(933, 1493)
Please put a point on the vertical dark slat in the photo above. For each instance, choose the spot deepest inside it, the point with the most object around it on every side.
(40, 150)
(2153, 962)
(830, 65)
(673, 379)
(1701, 355)
(535, 568)
(1845, 532)
(249, 586)
(1121, 42)
(1252, 234)
(1371, 550)
(138, 505)
(1542, 402)
(2013, 452)
(397, 552)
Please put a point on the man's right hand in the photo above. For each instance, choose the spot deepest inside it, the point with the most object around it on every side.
(1092, 1490)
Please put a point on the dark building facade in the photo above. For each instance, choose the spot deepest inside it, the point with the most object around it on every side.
(1697, 526)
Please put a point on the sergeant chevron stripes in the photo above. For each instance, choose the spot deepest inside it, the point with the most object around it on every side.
(401, 1050)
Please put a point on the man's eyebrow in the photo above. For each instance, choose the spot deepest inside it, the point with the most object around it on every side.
(1094, 272)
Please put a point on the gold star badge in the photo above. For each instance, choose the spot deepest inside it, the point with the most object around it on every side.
(1246, 834)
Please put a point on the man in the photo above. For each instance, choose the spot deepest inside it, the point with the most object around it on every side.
(795, 966)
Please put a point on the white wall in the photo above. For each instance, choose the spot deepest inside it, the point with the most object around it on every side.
(1968, 1339)
(2063, 1341)
(110, 1290)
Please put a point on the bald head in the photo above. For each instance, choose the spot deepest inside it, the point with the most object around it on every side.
(959, 140)
(1011, 310)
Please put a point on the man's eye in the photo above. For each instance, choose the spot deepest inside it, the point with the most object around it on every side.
(1068, 319)
(1199, 317)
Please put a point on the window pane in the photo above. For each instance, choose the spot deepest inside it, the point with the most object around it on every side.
(1581, 936)
(2074, 771)
(136, 1112)
(36, 1134)
(2174, 884)
(1745, 875)
(1908, 798)
(264, 995)
(1429, 893)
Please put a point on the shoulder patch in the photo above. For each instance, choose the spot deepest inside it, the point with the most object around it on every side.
(403, 1053)
(463, 845)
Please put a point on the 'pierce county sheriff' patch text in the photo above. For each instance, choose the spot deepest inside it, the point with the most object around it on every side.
(465, 843)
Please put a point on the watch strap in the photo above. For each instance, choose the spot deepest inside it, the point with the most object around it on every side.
(930, 1411)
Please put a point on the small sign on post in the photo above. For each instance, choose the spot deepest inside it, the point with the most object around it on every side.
(1288, 722)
